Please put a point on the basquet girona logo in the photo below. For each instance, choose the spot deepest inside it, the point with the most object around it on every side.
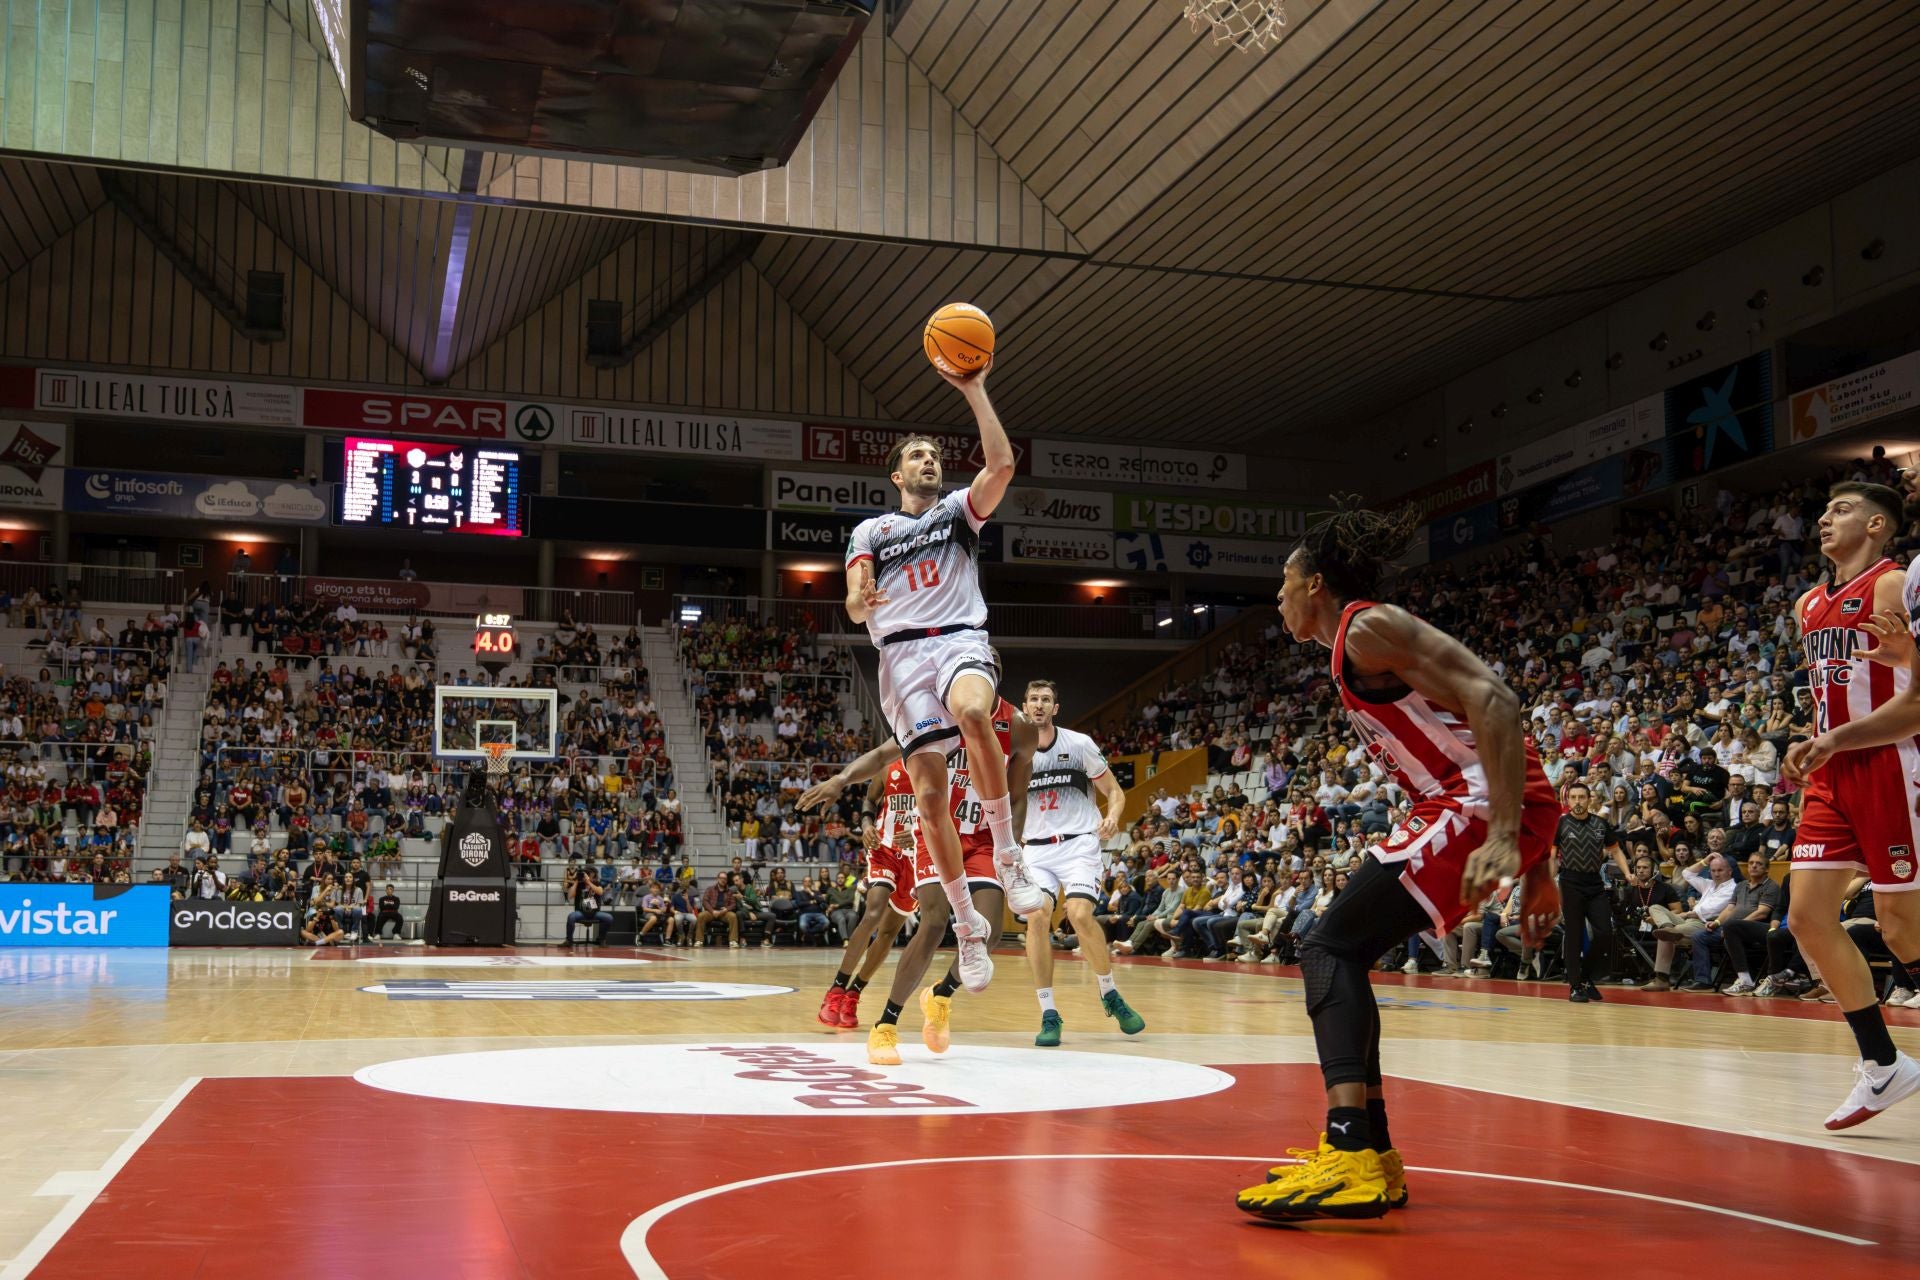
(473, 848)
(771, 1078)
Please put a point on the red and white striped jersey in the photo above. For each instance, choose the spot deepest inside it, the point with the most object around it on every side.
(897, 829)
(1428, 749)
(1845, 686)
(969, 818)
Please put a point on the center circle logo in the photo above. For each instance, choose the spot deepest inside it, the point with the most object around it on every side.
(793, 1078)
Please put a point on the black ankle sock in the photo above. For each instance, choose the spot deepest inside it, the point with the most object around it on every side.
(841, 979)
(891, 1014)
(1870, 1031)
(1907, 972)
(1348, 1130)
(1377, 1121)
(946, 986)
(857, 985)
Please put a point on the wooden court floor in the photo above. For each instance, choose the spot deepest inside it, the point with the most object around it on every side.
(611, 1112)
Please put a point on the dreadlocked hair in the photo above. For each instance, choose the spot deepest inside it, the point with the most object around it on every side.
(1353, 548)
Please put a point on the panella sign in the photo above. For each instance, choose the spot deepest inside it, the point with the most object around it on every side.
(407, 415)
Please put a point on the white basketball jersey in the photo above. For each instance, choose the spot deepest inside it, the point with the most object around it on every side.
(1060, 792)
(1910, 594)
(927, 565)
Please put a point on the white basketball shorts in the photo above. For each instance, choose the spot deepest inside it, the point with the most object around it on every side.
(1068, 869)
(915, 679)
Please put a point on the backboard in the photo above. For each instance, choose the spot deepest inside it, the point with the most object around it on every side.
(466, 718)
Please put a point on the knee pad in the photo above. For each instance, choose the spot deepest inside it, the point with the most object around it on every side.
(1317, 967)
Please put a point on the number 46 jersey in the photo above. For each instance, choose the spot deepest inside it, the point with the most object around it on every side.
(927, 565)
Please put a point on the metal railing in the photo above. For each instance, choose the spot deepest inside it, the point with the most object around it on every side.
(360, 763)
(827, 617)
(99, 585)
(400, 597)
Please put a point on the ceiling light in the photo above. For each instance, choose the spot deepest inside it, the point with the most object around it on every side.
(1658, 342)
(1573, 379)
(1816, 274)
(1615, 360)
(1759, 301)
(1706, 322)
(1536, 395)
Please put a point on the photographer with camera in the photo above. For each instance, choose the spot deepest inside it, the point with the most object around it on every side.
(583, 886)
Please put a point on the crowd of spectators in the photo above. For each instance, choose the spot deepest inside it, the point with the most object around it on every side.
(77, 739)
(1657, 672)
(772, 707)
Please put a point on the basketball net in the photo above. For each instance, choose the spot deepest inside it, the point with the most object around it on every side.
(1248, 25)
(497, 753)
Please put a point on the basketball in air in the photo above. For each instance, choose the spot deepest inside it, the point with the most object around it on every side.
(959, 339)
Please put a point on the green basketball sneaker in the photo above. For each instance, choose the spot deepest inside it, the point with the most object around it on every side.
(1049, 1030)
(1122, 1012)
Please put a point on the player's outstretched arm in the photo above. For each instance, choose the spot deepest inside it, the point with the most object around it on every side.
(1116, 797)
(863, 768)
(995, 448)
(1387, 638)
(863, 591)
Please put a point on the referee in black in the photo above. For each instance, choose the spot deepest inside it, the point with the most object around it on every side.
(1581, 844)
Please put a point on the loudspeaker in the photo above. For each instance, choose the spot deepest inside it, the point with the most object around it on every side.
(603, 327)
(266, 310)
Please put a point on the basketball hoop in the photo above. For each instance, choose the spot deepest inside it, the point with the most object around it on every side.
(1250, 26)
(497, 753)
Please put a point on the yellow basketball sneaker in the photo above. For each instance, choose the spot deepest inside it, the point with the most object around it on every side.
(1396, 1171)
(936, 1031)
(883, 1045)
(1301, 1157)
(1330, 1184)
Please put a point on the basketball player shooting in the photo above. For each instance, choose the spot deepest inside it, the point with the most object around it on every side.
(1860, 773)
(1448, 730)
(914, 580)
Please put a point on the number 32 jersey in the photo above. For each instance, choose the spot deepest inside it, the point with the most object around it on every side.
(1060, 790)
(927, 564)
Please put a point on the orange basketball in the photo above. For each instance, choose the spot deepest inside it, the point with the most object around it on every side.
(959, 339)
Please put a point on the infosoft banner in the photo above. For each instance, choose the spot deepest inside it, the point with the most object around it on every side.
(83, 915)
(215, 922)
(186, 497)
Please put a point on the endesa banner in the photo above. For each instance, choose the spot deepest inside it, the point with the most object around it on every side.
(83, 915)
(214, 922)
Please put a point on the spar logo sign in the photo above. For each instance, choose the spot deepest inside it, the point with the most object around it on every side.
(780, 1078)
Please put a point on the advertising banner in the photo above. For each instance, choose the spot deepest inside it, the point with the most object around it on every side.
(370, 595)
(31, 454)
(160, 493)
(1168, 553)
(1465, 488)
(1066, 508)
(869, 446)
(677, 435)
(832, 491)
(1161, 514)
(125, 395)
(1720, 418)
(1138, 465)
(413, 415)
(217, 923)
(1582, 490)
(1029, 544)
(1463, 531)
(824, 532)
(83, 915)
(1627, 427)
(1856, 398)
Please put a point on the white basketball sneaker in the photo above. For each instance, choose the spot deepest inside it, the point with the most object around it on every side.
(1023, 895)
(1876, 1089)
(975, 963)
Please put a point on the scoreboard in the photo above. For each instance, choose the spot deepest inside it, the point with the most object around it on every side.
(438, 488)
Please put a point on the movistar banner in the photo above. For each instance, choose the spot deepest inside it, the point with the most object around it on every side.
(83, 915)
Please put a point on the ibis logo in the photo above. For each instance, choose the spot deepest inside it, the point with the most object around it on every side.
(782, 1078)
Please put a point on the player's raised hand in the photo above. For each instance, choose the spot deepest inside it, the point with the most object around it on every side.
(822, 792)
(1893, 643)
(873, 595)
(962, 382)
(1805, 758)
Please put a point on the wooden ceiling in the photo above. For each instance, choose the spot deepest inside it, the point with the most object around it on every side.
(1265, 246)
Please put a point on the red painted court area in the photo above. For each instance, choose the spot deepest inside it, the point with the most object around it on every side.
(327, 1178)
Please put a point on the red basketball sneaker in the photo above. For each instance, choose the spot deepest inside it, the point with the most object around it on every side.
(830, 1007)
(849, 1008)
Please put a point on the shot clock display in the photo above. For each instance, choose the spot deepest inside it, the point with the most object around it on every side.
(439, 488)
(494, 645)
